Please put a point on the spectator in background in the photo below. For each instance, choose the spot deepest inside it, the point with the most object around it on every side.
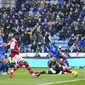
(34, 47)
(74, 47)
(37, 15)
(82, 43)
(83, 24)
(72, 39)
(46, 38)
(51, 16)
(22, 48)
(62, 34)
(37, 35)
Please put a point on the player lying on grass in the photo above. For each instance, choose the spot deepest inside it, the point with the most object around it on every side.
(55, 67)
(13, 45)
(56, 53)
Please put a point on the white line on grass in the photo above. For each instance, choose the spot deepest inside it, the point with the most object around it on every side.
(18, 82)
(61, 82)
(36, 83)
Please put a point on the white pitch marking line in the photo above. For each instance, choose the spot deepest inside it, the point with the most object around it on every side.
(18, 82)
(61, 81)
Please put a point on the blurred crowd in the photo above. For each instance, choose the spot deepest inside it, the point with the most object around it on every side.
(38, 20)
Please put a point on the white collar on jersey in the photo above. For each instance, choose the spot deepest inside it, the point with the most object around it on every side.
(14, 39)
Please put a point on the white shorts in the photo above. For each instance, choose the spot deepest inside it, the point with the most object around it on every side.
(17, 58)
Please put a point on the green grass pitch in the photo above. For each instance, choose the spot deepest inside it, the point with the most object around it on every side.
(22, 77)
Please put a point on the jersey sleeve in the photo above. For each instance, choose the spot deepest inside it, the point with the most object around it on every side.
(1, 41)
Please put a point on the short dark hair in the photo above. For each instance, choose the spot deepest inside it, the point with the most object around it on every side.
(16, 33)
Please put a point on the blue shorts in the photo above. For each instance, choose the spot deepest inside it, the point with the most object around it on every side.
(6, 56)
(1, 58)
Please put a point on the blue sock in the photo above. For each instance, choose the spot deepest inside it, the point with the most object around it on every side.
(2, 66)
(7, 69)
(67, 63)
(4, 69)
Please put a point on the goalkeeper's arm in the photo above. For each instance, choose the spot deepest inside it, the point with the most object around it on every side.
(52, 70)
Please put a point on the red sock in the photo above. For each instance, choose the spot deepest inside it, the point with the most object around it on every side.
(28, 68)
(18, 66)
(66, 69)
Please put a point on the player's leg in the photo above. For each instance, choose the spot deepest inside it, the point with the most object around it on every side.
(66, 69)
(18, 65)
(46, 72)
(20, 62)
(5, 70)
(67, 63)
(7, 62)
(15, 68)
(2, 65)
(30, 70)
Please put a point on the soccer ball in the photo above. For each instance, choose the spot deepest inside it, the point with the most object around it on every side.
(74, 73)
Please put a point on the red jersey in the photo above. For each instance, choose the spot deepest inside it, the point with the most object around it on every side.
(13, 45)
(63, 61)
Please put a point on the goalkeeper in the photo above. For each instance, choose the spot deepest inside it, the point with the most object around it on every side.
(56, 67)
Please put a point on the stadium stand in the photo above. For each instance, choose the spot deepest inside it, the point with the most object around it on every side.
(44, 21)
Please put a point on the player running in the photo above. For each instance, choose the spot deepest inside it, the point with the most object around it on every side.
(13, 45)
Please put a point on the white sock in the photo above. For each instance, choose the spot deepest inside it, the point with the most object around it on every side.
(12, 70)
(33, 74)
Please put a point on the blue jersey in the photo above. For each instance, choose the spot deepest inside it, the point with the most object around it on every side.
(53, 52)
(2, 51)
